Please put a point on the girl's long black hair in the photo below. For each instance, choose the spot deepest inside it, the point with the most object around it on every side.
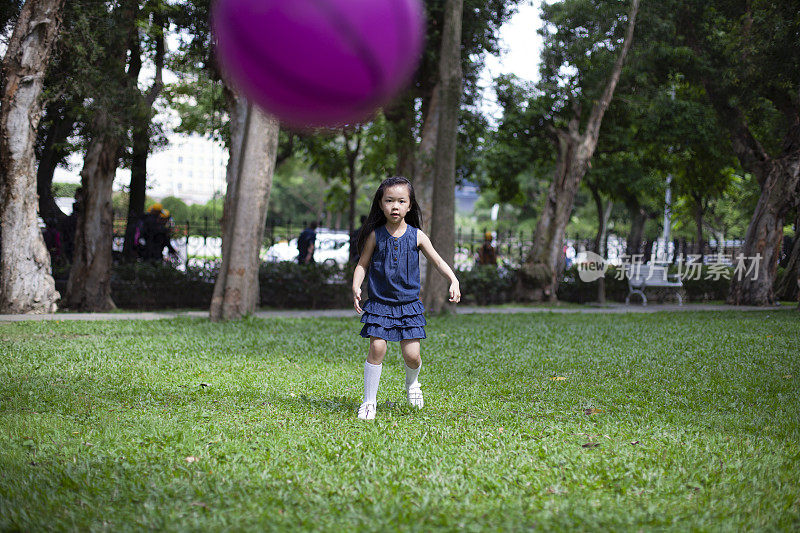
(376, 218)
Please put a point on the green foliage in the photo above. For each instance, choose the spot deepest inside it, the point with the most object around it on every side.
(286, 285)
(160, 286)
(749, 55)
(661, 422)
(289, 285)
(298, 194)
(177, 208)
(201, 105)
(706, 284)
(486, 284)
(481, 23)
(65, 190)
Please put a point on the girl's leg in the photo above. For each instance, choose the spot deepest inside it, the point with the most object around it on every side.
(377, 350)
(413, 364)
(372, 377)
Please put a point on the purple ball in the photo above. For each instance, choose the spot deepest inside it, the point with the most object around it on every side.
(318, 63)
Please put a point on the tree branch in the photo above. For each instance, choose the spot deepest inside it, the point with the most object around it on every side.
(751, 154)
(600, 107)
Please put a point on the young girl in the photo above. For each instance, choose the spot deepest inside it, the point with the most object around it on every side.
(389, 242)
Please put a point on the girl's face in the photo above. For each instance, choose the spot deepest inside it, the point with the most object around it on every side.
(396, 203)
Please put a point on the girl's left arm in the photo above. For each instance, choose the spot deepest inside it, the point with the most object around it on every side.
(425, 245)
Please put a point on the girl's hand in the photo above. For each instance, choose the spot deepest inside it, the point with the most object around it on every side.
(357, 299)
(455, 292)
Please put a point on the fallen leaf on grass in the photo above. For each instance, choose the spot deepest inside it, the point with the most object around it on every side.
(590, 445)
(558, 378)
(592, 411)
(192, 459)
(199, 504)
(788, 376)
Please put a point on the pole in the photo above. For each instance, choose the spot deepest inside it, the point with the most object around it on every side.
(667, 218)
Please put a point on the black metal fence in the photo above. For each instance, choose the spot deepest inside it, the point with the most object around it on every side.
(200, 241)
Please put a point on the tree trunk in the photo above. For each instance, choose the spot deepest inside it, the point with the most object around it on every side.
(236, 291)
(435, 295)
(26, 283)
(53, 152)
(698, 221)
(352, 174)
(753, 283)
(351, 208)
(400, 114)
(424, 168)
(425, 161)
(603, 215)
(539, 275)
(141, 130)
(138, 186)
(89, 284)
(538, 280)
(638, 222)
(788, 286)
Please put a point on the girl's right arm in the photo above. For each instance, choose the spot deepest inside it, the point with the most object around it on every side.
(361, 270)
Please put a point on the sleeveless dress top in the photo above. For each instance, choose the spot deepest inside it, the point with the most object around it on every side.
(393, 311)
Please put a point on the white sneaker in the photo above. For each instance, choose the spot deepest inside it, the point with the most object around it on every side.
(415, 396)
(367, 411)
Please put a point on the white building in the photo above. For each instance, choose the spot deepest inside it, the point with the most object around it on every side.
(191, 168)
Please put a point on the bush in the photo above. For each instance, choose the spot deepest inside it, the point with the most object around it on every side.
(315, 286)
(573, 289)
(704, 289)
(319, 286)
(160, 286)
(283, 285)
(486, 284)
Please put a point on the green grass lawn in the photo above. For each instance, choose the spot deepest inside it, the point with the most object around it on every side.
(685, 421)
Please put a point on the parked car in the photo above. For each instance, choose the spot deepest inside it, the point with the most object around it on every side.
(281, 251)
(330, 248)
(333, 247)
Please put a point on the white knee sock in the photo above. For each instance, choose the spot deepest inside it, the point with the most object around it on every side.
(411, 375)
(372, 378)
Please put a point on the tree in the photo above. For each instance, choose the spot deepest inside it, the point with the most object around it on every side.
(89, 284)
(787, 287)
(52, 150)
(414, 116)
(153, 14)
(249, 176)
(26, 284)
(444, 161)
(746, 55)
(694, 150)
(538, 278)
(348, 158)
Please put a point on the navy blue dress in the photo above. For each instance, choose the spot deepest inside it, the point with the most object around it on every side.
(393, 311)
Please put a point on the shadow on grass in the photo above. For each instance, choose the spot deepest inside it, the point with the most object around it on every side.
(344, 405)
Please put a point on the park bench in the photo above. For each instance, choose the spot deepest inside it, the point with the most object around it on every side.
(641, 277)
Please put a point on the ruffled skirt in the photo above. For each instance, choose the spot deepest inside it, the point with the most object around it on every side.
(393, 322)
